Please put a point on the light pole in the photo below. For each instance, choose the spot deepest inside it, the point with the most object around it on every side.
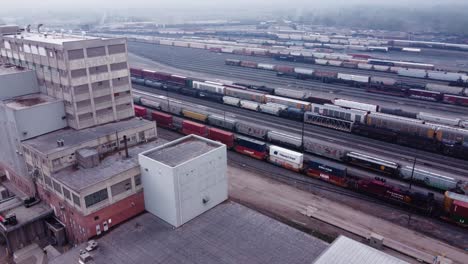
(410, 185)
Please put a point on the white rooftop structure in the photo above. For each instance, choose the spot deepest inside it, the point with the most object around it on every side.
(347, 251)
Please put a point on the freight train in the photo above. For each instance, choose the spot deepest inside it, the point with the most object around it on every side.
(455, 93)
(338, 114)
(319, 168)
(331, 150)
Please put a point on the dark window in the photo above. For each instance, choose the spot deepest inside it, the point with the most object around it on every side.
(78, 73)
(66, 193)
(137, 180)
(75, 54)
(121, 187)
(47, 180)
(57, 187)
(120, 81)
(118, 66)
(76, 200)
(97, 69)
(96, 197)
(96, 52)
(96, 218)
(119, 48)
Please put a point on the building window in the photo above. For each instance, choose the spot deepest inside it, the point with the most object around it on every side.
(76, 200)
(66, 193)
(138, 180)
(96, 52)
(47, 180)
(121, 187)
(96, 197)
(57, 187)
(114, 49)
(75, 54)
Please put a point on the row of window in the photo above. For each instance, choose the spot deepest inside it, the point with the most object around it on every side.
(96, 51)
(98, 69)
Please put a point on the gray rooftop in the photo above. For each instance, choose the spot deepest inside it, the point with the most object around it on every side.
(228, 233)
(182, 150)
(47, 144)
(51, 38)
(78, 179)
(26, 215)
(30, 100)
(10, 70)
(347, 251)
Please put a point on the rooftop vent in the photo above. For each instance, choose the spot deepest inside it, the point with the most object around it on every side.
(60, 142)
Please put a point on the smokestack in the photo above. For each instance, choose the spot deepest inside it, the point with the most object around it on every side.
(126, 147)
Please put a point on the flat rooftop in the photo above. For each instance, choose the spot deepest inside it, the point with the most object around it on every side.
(182, 150)
(51, 38)
(78, 179)
(30, 100)
(347, 251)
(4, 69)
(47, 143)
(228, 233)
(26, 215)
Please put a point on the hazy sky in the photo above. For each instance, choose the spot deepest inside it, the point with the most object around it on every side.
(52, 4)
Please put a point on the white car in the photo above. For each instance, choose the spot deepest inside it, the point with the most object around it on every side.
(92, 245)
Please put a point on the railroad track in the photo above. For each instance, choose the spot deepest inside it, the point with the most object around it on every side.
(206, 65)
(401, 154)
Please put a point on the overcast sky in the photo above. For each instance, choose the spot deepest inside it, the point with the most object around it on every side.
(52, 4)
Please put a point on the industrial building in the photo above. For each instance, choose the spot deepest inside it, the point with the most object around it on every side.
(90, 74)
(184, 178)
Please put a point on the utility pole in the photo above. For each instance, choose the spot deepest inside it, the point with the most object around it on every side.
(411, 184)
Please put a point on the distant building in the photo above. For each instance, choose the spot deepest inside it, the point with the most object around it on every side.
(90, 74)
(184, 178)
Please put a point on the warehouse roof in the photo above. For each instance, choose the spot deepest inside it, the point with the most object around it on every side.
(182, 150)
(110, 166)
(9, 69)
(30, 100)
(347, 251)
(228, 233)
(47, 143)
(52, 38)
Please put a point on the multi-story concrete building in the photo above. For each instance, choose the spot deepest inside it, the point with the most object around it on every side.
(90, 74)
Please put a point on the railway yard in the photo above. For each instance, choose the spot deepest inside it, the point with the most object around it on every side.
(385, 127)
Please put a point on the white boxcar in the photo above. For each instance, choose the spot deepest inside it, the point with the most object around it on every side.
(323, 148)
(411, 50)
(337, 112)
(365, 66)
(352, 77)
(416, 73)
(165, 42)
(337, 63)
(208, 86)
(251, 129)
(197, 45)
(321, 61)
(297, 94)
(304, 71)
(357, 47)
(444, 88)
(227, 50)
(296, 53)
(181, 44)
(251, 105)
(289, 102)
(439, 119)
(231, 100)
(356, 105)
(266, 66)
(430, 178)
(151, 103)
(270, 109)
(381, 68)
(285, 139)
(286, 158)
(395, 69)
(444, 76)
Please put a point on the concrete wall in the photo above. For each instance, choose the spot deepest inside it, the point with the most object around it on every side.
(18, 83)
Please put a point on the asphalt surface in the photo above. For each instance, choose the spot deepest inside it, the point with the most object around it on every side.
(403, 155)
(203, 61)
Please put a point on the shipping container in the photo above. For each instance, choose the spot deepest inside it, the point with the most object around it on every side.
(444, 88)
(252, 130)
(181, 80)
(456, 207)
(231, 101)
(284, 68)
(325, 74)
(250, 105)
(195, 114)
(222, 121)
(289, 102)
(162, 119)
(251, 147)
(222, 136)
(356, 105)
(248, 64)
(284, 139)
(140, 111)
(189, 127)
(326, 170)
(296, 94)
(286, 158)
(455, 99)
(245, 94)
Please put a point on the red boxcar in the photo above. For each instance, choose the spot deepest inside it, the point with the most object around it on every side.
(424, 95)
(148, 74)
(139, 111)
(161, 76)
(162, 119)
(325, 74)
(248, 64)
(222, 136)
(189, 127)
(250, 147)
(361, 56)
(455, 99)
(178, 79)
(284, 68)
(136, 72)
